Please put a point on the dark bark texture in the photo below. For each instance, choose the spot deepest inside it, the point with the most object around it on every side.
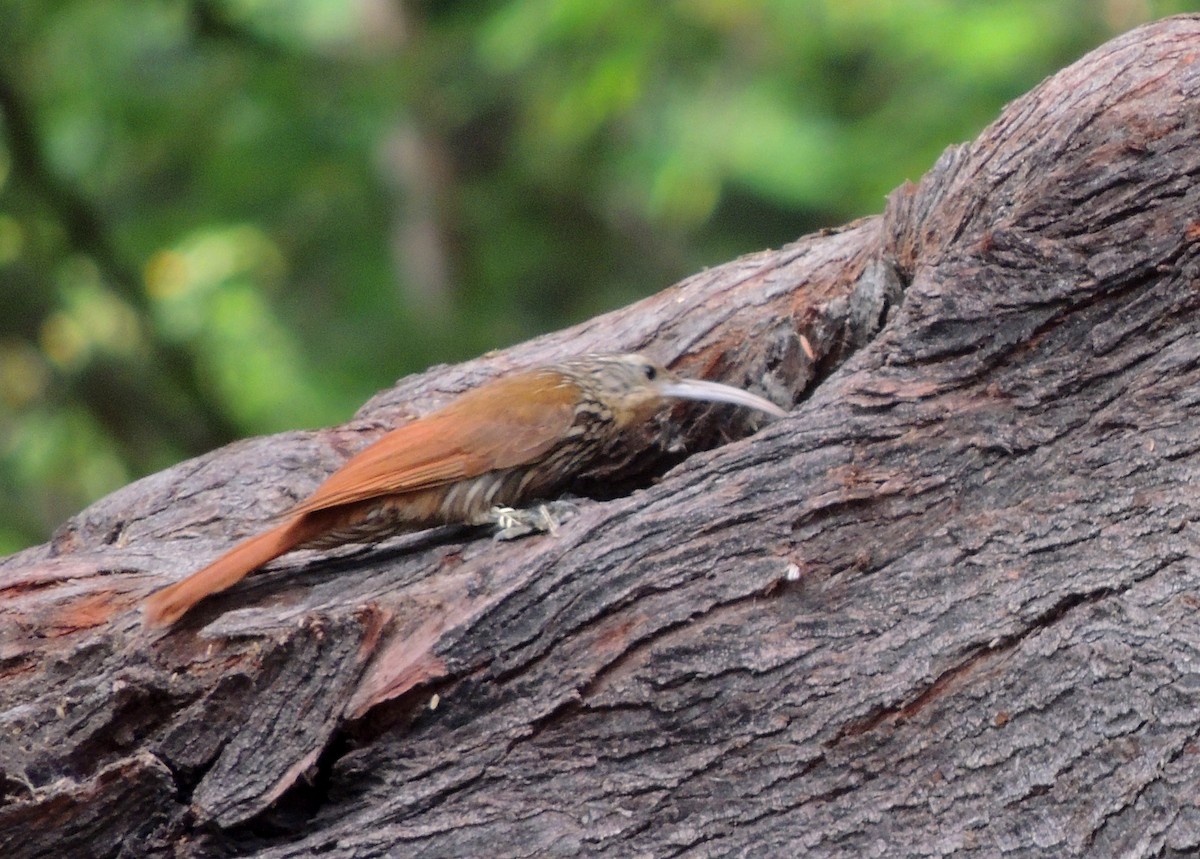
(947, 607)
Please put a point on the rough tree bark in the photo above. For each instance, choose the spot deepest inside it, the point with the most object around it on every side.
(985, 487)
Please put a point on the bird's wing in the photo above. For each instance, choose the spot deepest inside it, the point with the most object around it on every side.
(505, 423)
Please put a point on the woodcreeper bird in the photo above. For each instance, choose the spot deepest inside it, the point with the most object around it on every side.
(510, 441)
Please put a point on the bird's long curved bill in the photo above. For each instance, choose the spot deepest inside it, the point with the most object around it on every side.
(714, 392)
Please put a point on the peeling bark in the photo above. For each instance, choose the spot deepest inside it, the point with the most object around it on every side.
(985, 487)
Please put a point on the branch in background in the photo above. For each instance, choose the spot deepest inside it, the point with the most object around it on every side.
(194, 421)
(212, 21)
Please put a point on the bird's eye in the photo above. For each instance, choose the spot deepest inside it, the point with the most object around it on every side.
(651, 372)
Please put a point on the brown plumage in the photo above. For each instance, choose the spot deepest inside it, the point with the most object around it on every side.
(509, 441)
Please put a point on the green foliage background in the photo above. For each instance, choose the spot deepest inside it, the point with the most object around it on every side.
(230, 217)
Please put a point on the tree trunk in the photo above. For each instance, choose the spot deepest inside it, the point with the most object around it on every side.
(947, 606)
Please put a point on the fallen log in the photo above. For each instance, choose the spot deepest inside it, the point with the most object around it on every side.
(947, 606)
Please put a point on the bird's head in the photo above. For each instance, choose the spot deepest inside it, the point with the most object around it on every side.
(634, 388)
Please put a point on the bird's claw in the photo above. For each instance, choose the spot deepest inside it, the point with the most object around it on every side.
(512, 523)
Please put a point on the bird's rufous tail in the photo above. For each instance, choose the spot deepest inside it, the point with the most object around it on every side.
(166, 606)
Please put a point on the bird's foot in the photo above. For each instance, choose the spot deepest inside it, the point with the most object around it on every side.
(512, 523)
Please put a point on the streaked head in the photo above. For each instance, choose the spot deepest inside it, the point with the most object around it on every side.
(634, 387)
